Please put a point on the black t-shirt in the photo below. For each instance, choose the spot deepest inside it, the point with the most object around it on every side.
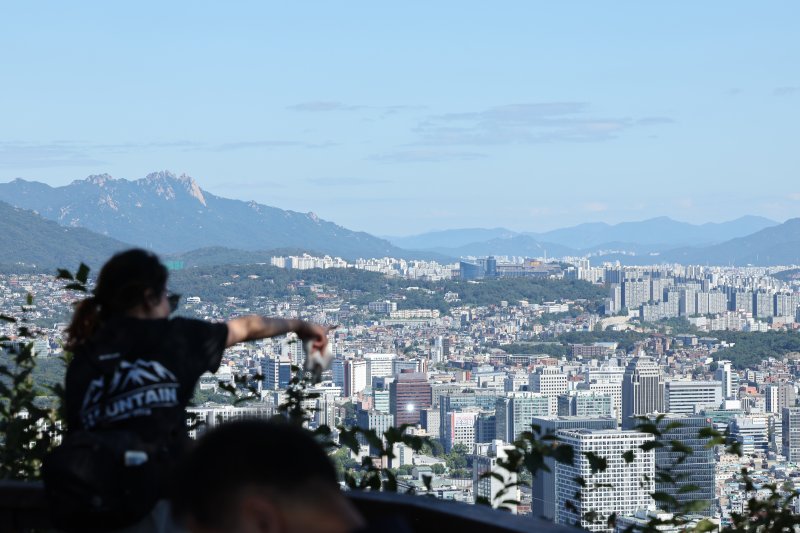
(139, 375)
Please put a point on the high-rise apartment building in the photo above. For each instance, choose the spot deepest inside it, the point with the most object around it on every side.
(687, 302)
(763, 305)
(635, 292)
(742, 301)
(642, 389)
(786, 304)
(621, 488)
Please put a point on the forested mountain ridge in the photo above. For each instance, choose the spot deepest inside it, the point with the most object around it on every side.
(172, 214)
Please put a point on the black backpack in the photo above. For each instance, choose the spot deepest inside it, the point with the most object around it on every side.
(104, 478)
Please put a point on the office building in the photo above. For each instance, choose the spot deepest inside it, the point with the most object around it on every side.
(790, 425)
(586, 403)
(355, 377)
(489, 487)
(457, 400)
(277, 372)
(778, 396)
(379, 365)
(543, 488)
(431, 422)
(688, 397)
(695, 469)
(486, 427)
(515, 411)
(374, 420)
(729, 379)
(408, 394)
(642, 389)
(550, 381)
(459, 428)
(620, 489)
(751, 432)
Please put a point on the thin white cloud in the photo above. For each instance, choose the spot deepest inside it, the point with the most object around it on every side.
(47, 155)
(323, 106)
(786, 91)
(426, 156)
(344, 181)
(544, 122)
(595, 207)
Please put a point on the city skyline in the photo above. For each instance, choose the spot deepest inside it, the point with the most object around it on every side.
(398, 122)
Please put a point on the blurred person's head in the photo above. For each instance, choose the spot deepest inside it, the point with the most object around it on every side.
(257, 476)
(133, 282)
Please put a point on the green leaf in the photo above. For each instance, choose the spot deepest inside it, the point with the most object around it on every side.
(83, 273)
(63, 273)
(596, 463)
(663, 497)
(651, 445)
(680, 447)
(705, 525)
(564, 454)
(629, 456)
(348, 438)
(688, 488)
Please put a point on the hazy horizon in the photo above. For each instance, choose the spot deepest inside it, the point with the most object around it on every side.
(400, 120)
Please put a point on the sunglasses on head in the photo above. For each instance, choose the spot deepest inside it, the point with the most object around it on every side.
(174, 299)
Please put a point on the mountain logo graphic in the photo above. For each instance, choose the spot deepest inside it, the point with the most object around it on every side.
(135, 389)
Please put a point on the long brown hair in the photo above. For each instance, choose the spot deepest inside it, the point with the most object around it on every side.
(123, 283)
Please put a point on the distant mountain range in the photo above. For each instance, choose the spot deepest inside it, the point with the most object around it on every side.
(777, 245)
(648, 236)
(172, 214)
(90, 219)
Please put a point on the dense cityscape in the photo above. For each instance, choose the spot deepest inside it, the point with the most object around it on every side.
(685, 342)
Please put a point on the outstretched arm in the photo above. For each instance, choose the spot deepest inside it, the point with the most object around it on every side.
(253, 327)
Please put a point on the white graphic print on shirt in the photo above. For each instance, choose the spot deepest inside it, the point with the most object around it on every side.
(135, 389)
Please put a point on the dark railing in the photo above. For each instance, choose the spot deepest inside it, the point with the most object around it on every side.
(23, 508)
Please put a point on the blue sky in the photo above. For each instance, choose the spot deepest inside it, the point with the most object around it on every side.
(406, 117)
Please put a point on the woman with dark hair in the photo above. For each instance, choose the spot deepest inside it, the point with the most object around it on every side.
(135, 369)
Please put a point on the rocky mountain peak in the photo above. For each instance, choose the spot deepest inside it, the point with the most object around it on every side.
(99, 180)
(165, 183)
